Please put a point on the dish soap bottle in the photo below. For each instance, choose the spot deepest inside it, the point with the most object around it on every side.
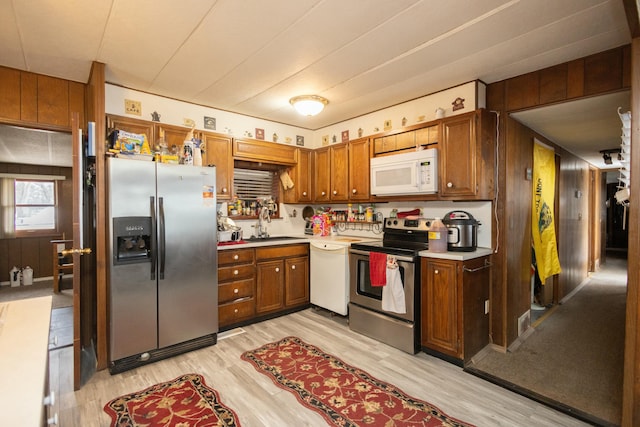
(438, 236)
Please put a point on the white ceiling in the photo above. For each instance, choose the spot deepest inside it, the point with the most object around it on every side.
(252, 56)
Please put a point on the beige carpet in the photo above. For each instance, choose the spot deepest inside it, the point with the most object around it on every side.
(38, 289)
(574, 358)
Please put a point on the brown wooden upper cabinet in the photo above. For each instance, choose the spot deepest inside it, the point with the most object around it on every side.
(407, 140)
(322, 163)
(217, 152)
(262, 151)
(467, 156)
(37, 99)
(359, 155)
(342, 172)
(339, 167)
(128, 124)
(302, 177)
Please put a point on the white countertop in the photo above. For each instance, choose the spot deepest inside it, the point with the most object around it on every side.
(24, 346)
(457, 256)
(302, 238)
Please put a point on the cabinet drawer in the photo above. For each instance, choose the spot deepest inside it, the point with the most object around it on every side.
(236, 311)
(237, 256)
(282, 251)
(235, 272)
(235, 290)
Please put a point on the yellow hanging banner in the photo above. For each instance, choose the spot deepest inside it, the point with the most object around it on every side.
(542, 222)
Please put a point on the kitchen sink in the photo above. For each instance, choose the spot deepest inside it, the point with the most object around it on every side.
(271, 238)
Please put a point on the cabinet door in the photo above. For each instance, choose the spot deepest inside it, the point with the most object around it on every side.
(304, 174)
(359, 170)
(301, 175)
(174, 135)
(339, 173)
(128, 124)
(440, 325)
(297, 281)
(458, 156)
(217, 151)
(270, 286)
(405, 140)
(323, 174)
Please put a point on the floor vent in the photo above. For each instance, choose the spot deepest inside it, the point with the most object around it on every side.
(524, 322)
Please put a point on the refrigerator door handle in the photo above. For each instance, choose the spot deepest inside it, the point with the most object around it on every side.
(162, 236)
(154, 245)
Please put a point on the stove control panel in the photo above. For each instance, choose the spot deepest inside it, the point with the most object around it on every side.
(417, 224)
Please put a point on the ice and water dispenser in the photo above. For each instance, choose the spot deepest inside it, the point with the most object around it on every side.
(132, 239)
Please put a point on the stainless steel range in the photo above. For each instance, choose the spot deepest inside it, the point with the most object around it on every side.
(403, 239)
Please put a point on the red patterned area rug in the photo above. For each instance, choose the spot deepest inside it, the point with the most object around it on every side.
(185, 401)
(342, 394)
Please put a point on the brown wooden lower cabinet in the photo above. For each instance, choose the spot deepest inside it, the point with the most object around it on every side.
(283, 277)
(258, 282)
(236, 286)
(453, 319)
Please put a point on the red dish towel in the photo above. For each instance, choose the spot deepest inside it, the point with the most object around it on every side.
(378, 268)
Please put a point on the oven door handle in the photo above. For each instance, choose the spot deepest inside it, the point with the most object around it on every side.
(397, 257)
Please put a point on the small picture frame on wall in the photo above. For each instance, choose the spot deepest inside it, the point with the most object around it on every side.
(387, 124)
(345, 136)
(260, 134)
(300, 140)
(325, 140)
(210, 123)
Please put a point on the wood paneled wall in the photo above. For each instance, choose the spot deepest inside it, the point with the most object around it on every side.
(37, 252)
(597, 74)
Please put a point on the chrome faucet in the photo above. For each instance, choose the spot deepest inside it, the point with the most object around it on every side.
(261, 228)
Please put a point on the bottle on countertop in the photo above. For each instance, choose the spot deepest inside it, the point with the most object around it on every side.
(438, 236)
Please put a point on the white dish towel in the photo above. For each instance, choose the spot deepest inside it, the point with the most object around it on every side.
(393, 292)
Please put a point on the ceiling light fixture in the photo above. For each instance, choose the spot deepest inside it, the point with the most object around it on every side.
(308, 105)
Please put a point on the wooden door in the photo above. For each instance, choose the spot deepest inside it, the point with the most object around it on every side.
(359, 169)
(270, 286)
(323, 174)
(77, 251)
(458, 156)
(218, 152)
(296, 281)
(440, 328)
(339, 160)
(174, 135)
(132, 125)
(304, 175)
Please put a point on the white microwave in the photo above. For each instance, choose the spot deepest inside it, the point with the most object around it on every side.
(407, 173)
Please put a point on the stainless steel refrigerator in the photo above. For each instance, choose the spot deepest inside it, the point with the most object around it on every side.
(163, 285)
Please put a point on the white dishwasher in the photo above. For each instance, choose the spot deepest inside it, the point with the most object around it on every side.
(329, 263)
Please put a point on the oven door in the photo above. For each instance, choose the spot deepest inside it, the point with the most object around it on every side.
(363, 294)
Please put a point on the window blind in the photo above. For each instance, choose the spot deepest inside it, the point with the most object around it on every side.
(249, 184)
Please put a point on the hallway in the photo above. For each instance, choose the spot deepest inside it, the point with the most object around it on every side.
(573, 359)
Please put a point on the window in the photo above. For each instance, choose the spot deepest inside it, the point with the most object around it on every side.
(35, 205)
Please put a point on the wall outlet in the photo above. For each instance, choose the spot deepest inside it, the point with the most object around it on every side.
(486, 306)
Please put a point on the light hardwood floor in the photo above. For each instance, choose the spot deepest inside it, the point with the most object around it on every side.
(258, 402)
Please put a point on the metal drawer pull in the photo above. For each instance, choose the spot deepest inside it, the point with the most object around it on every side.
(437, 271)
(235, 291)
(472, 270)
(277, 269)
(235, 310)
(293, 267)
(235, 256)
(236, 272)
